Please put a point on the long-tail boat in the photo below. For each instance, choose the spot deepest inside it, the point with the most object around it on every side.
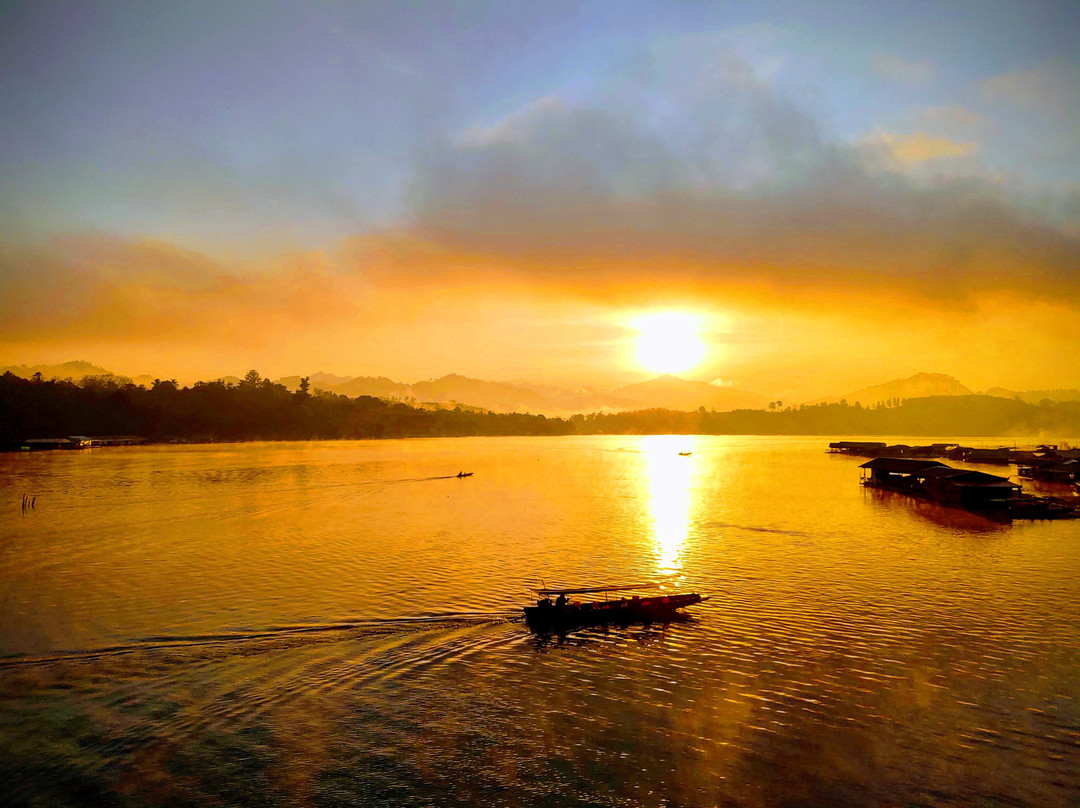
(565, 611)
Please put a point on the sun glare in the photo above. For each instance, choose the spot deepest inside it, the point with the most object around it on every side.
(669, 342)
(669, 477)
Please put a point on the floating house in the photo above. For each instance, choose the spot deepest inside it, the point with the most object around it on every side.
(899, 473)
(995, 457)
(974, 490)
(1064, 473)
(80, 442)
(42, 444)
(1027, 458)
(1050, 467)
(856, 447)
(996, 496)
(941, 483)
(117, 440)
(1038, 455)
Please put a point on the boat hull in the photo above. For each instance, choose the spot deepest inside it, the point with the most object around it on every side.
(655, 609)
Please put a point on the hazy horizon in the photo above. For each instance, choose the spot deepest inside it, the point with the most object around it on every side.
(665, 391)
(794, 201)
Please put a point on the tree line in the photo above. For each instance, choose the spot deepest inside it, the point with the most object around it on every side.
(259, 409)
(942, 416)
(254, 409)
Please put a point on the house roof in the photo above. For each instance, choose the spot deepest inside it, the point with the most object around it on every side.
(1000, 482)
(977, 476)
(1068, 467)
(900, 465)
(967, 477)
(939, 472)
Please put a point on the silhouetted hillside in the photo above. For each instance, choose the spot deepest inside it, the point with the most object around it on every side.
(497, 396)
(260, 409)
(1035, 396)
(318, 381)
(957, 416)
(920, 385)
(255, 409)
(454, 389)
(75, 370)
(380, 387)
(102, 403)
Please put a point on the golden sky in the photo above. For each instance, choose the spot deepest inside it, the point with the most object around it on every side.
(505, 193)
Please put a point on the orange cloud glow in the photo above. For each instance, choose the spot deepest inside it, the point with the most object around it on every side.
(408, 308)
(918, 147)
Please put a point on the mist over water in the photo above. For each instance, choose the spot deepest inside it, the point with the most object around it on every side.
(331, 624)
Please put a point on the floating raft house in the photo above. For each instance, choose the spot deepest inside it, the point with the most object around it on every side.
(963, 488)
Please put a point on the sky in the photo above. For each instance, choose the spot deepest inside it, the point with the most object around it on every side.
(832, 194)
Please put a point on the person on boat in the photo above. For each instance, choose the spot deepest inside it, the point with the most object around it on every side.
(561, 600)
(544, 602)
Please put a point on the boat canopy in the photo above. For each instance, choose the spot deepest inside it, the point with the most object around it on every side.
(594, 589)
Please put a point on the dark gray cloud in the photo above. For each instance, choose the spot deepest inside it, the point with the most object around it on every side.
(743, 186)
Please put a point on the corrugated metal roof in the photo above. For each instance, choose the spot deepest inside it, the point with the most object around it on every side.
(968, 477)
(900, 465)
(940, 472)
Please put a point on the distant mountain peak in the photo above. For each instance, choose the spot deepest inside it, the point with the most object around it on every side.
(457, 377)
(944, 377)
(920, 385)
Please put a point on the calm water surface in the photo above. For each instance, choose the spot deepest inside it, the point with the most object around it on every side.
(330, 624)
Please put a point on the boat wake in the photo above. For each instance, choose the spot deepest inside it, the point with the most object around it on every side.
(276, 635)
(757, 529)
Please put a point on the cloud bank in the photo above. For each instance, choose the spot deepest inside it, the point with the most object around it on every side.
(745, 189)
(690, 177)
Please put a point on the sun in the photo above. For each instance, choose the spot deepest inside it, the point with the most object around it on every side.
(669, 342)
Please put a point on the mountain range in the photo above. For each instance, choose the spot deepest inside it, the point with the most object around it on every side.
(668, 392)
(663, 392)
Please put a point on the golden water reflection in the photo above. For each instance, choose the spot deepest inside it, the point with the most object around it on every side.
(670, 475)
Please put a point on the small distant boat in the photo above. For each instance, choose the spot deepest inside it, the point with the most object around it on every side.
(565, 612)
(684, 454)
(464, 474)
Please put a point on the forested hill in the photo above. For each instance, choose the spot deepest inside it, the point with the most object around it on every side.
(258, 409)
(932, 416)
(255, 409)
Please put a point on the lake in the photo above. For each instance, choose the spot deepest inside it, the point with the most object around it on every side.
(333, 624)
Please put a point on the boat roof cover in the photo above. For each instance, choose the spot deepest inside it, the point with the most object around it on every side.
(594, 589)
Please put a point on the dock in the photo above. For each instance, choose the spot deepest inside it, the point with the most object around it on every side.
(976, 491)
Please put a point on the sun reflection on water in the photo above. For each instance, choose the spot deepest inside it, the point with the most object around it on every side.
(669, 478)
